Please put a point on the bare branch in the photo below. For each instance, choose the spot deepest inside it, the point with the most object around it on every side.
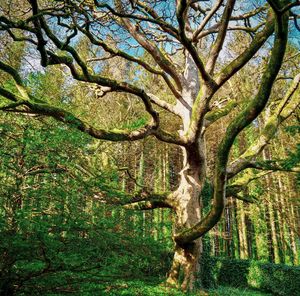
(161, 58)
(163, 104)
(216, 49)
(206, 19)
(249, 14)
(117, 52)
(181, 12)
(45, 170)
(41, 41)
(289, 6)
(146, 8)
(215, 29)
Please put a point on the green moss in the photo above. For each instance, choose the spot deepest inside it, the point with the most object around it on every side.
(216, 114)
(271, 127)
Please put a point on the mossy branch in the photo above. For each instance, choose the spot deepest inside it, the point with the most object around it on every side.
(152, 201)
(257, 42)
(242, 120)
(214, 115)
(284, 110)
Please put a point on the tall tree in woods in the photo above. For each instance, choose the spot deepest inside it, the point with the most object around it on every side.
(185, 47)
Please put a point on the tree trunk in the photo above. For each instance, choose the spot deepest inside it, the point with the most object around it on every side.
(186, 199)
(187, 205)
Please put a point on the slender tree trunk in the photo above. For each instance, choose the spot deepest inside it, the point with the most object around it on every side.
(269, 235)
(228, 231)
(249, 238)
(242, 231)
(237, 226)
(292, 221)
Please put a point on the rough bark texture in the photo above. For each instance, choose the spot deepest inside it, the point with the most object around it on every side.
(186, 199)
(187, 205)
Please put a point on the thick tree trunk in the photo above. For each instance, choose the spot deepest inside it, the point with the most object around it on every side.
(186, 199)
(187, 205)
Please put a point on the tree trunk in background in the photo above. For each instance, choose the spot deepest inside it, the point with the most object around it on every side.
(216, 241)
(292, 225)
(228, 230)
(236, 222)
(269, 234)
(270, 211)
(249, 236)
(242, 231)
(280, 224)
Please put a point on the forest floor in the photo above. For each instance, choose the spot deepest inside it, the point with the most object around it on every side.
(152, 288)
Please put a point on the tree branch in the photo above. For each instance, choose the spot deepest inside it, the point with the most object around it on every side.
(153, 201)
(257, 42)
(45, 170)
(216, 48)
(127, 56)
(163, 104)
(181, 10)
(160, 58)
(289, 6)
(272, 165)
(284, 110)
(243, 119)
(41, 42)
(155, 19)
(138, 200)
(70, 119)
(241, 183)
(215, 114)
(206, 20)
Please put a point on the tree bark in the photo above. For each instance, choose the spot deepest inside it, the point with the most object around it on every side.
(187, 206)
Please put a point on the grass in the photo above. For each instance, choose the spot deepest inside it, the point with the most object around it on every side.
(152, 288)
(229, 291)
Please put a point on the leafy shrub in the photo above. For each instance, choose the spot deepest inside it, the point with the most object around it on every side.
(74, 257)
(277, 279)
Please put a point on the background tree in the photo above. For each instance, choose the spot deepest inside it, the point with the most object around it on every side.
(185, 46)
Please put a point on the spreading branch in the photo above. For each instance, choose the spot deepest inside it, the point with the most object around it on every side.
(242, 120)
(289, 103)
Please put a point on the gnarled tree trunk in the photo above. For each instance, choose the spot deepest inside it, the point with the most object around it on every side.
(187, 206)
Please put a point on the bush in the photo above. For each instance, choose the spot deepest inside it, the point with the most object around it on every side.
(75, 257)
(277, 279)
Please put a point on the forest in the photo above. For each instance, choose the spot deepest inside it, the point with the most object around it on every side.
(149, 147)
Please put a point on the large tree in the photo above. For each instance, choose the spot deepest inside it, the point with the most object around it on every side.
(186, 48)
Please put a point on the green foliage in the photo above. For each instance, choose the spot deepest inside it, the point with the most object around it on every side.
(152, 287)
(293, 129)
(229, 291)
(293, 158)
(48, 257)
(277, 279)
(138, 123)
(56, 236)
